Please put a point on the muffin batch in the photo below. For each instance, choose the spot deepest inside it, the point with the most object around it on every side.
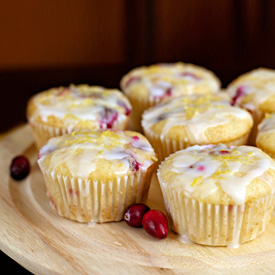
(217, 191)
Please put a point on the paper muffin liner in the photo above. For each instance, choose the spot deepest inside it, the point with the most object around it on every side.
(217, 225)
(165, 146)
(42, 133)
(96, 201)
(139, 105)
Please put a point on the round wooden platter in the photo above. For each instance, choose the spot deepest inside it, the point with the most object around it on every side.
(37, 238)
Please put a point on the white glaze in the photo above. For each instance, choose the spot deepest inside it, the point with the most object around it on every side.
(197, 113)
(179, 77)
(81, 151)
(184, 239)
(79, 102)
(210, 168)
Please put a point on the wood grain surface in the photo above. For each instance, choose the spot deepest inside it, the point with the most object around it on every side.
(37, 238)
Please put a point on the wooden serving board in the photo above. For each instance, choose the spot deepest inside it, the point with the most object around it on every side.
(37, 238)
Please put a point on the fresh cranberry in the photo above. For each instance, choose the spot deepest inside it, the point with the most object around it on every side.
(224, 152)
(136, 138)
(134, 213)
(131, 80)
(239, 94)
(20, 168)
(108, 118)
(155, 223)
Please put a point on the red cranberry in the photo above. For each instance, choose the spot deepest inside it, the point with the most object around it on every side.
(20, 168)
(108, 118)
(155, 223)
(134, 213)
(135, 165)
(239, 94)
(166, 93)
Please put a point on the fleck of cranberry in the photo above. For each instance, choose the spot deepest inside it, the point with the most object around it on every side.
(73, 192)
(191, 75)
(63, 92)
(239, 94)
(134, 213)
(136, 138)
(20, 168)
(131, 80)
(201, 168)
(166, 93)
(126, 108)
(136, 165)
(224, 152)
(108, 118)
(155, 223)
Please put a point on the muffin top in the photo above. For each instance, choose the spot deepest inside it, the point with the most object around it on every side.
(266, 133)
(254, 90)
(97, 155)
(219, 174)
(165, 80)
(198, 119)
(79, 106)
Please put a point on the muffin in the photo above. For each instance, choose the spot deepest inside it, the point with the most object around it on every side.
(266, 135)
(92, 176)
(195, 119)
(148, 86)
(218, 195)
(62, 110)
(254, 91)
